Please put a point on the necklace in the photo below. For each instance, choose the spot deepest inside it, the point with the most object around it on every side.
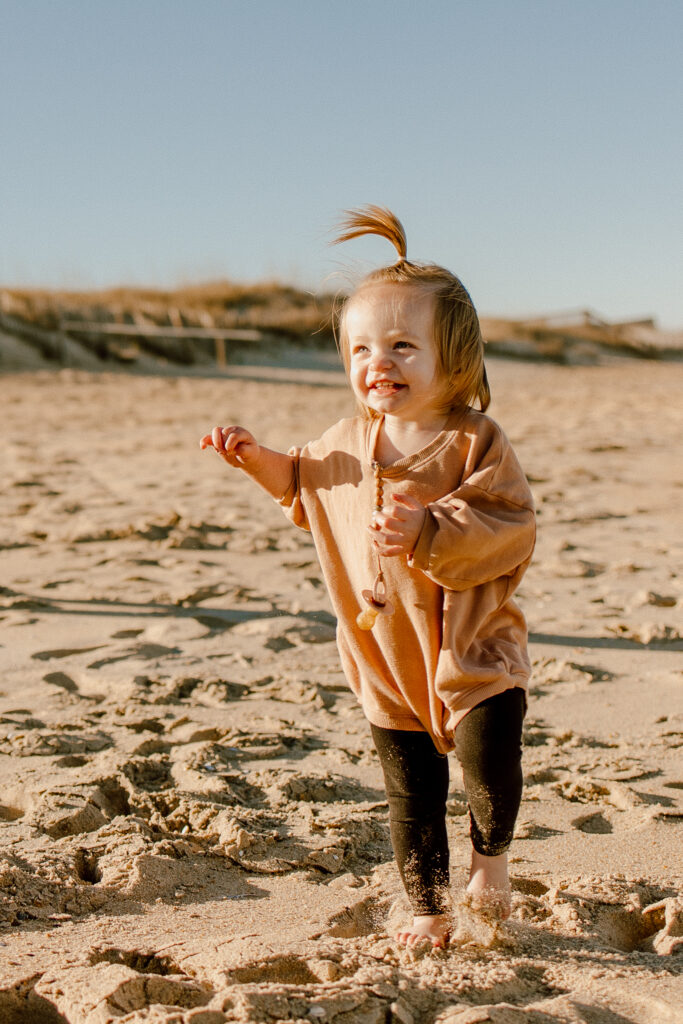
(375, 599)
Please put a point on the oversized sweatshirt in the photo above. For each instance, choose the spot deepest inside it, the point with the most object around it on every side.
(456, 636)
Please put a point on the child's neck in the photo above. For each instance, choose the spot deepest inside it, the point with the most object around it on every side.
(397, 439)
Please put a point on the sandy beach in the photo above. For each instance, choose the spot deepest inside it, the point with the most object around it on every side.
(192, 823)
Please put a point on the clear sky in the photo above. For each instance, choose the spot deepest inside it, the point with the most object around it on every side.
(532, 146)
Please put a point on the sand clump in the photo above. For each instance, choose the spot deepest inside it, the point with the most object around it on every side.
(193, 828)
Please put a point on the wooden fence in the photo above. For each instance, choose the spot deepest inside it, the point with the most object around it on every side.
(217, 335)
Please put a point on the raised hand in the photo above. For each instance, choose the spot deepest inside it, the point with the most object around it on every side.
(396, 528)
(271, 470)
(235, 445)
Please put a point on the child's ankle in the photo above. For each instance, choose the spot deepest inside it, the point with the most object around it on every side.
(489, 872)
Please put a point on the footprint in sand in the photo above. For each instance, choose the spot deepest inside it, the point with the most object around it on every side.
(620, 914)
(64, 652)
(366, 917)
(532, 830)
(208, 771)
(10, 813)
(22, 717)
(649, 633)
(62, 680)
(211, 692)
(286, 970)
(48, 744)
(590, 791)
(666, 916)
(284, 632)
(72, 761)
(622, 769)
(528, 886)
(143, 962)
(651, 597)
(262, 746)
(111, 986)
(326, 788)
(301, 691)
(558, 671)
(593, 824)
(74, 810)
(150, 774)
(142, 651)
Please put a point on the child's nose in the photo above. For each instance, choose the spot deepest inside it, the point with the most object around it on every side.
(380, 359)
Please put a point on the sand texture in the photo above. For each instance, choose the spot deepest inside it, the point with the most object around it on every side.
(192, 824)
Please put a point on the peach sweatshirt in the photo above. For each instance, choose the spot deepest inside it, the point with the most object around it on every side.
(456, 637)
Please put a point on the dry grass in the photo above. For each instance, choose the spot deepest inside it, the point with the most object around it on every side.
(267, 306)
(280, 310)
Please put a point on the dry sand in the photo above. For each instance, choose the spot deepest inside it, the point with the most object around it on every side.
(193, 827)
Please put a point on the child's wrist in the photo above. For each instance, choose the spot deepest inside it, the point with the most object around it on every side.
(255, 461)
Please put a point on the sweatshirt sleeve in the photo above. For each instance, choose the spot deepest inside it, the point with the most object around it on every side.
(483, 530)
(291, 501)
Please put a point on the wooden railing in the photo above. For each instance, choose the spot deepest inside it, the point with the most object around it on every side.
(145, 330)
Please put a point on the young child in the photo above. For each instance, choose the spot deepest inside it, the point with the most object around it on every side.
(424, 524)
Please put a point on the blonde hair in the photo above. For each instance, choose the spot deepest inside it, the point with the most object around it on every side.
(457, 333)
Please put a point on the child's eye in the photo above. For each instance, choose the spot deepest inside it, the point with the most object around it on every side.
(403, 344)
(358, 348)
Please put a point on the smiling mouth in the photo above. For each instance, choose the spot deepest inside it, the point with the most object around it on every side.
(386, 387)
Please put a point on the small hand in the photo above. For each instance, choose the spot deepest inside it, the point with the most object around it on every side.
(395, 530)
(234, 444)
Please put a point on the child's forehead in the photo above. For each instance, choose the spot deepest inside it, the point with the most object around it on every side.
(390, 302)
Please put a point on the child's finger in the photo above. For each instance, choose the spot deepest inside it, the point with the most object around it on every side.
(393, 520)
(403, 513)
(232, 440)
(391, 549)
(206, 442)
(393, 540)
(217, 438)
(389, 523)
(388, 543)
(407, 501)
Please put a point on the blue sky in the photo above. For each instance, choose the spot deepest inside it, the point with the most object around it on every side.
(532, 147)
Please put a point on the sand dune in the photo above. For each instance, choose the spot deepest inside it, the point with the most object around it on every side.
(147, 329)
(192, 822)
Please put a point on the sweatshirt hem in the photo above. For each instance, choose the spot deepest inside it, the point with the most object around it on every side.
(406, 723)
(479, 694)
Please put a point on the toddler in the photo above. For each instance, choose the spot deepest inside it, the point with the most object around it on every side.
(424, 524)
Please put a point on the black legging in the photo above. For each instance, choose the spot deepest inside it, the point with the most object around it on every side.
(488, 744)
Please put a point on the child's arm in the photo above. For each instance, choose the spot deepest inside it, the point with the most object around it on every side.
(272, 470)
(483, 530)
(473, 537)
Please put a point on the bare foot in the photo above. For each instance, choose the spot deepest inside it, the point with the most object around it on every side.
(434, 928)
(489, 886)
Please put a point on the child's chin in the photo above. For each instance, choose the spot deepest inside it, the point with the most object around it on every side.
(384, 402)
(379, 407)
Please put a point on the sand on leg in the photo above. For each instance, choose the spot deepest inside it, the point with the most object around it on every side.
(488, 890)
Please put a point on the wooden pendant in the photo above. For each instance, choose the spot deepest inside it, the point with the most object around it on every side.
(376, 599)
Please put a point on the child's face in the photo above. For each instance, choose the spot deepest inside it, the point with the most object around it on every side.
(393, 361)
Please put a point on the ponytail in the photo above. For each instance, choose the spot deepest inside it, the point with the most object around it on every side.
(373, 220)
